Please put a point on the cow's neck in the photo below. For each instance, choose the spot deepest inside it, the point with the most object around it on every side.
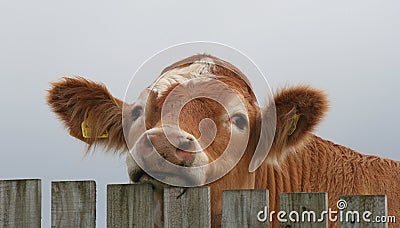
(323, 166)
(304, 170)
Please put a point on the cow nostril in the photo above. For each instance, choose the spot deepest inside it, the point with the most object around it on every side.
(185, 146)
(185, 151)
(145, 147)
(147, 143)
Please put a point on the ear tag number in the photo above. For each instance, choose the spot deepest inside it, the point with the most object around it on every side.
(87, 132)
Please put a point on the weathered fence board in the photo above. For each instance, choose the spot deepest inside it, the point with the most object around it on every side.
(240, 208)
(187, 207)
(304, 210)
(358, 206)
(20, 203)
(130, 205)
(73, 204)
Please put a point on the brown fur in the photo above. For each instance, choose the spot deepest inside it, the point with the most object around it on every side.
(322, 166)
(310, 104)
(75, 100)
(297, 162)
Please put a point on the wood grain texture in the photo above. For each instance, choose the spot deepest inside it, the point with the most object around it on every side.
(130, 205)
(73, 204)
(308, 207)
(20, 203)
(187, 207)
(241, 207)
(359, 206)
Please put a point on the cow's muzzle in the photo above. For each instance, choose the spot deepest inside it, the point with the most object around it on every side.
(162, 153)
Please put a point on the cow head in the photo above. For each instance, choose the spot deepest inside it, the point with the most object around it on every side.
(192, 133)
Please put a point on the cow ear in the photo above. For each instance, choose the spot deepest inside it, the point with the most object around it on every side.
(89, 111)
(298, 111)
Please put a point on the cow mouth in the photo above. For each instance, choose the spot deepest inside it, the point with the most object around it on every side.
(140, 174)
(137, 176)
(141, 177)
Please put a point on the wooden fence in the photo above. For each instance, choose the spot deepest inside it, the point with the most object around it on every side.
(73, 204)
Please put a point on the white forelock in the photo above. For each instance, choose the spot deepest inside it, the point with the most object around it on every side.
(199, 69)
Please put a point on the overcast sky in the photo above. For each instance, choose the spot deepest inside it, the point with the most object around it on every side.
(348, 48)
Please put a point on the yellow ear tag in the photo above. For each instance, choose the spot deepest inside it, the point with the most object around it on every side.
(294, 125)
(87, 132)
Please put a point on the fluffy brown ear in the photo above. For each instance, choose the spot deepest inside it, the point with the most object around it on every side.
(298, 111)
(89, 111)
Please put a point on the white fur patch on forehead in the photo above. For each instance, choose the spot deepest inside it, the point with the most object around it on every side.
(199, 69)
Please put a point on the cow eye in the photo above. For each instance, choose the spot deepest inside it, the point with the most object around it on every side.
(137, 112)
(240, 121)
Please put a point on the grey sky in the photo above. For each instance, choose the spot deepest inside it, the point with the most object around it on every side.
(349, 48)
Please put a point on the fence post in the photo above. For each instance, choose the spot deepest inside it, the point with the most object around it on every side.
(356, 206)
(20, 203)
(241, 208)
(73, 204)
(187, 207)
(130, 205)
(305, 208)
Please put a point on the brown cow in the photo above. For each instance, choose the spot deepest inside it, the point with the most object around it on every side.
(298, 160)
